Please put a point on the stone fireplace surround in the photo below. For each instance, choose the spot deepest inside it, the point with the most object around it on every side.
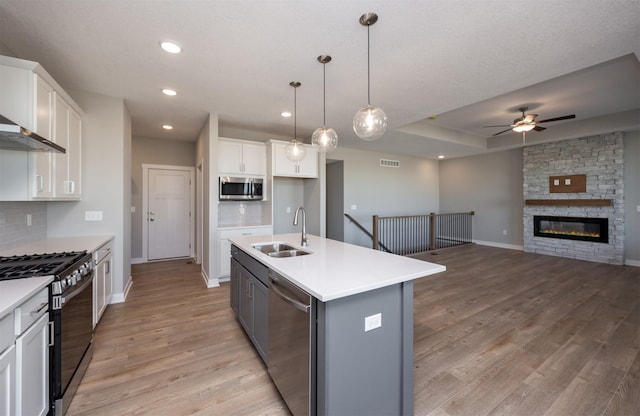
(601, 158)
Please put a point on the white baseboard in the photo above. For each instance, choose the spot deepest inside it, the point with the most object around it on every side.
(210, 282)
(634, 263)
(138, 260)
(121, 297)
(499, 245)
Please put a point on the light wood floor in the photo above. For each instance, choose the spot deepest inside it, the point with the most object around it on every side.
(500, 333)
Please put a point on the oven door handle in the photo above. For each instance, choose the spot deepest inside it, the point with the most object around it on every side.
(70, 296)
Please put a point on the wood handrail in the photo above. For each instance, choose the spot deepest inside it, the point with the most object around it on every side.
(427, 215)
(376, 243)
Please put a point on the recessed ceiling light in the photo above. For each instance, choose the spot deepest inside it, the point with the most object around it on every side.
(285, 114)
(167, 126)
(169, 91)
(171, 47)
(441, 157)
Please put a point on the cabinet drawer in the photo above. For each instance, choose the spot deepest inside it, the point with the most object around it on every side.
(102, 252)
(31, 310)
(6, 331)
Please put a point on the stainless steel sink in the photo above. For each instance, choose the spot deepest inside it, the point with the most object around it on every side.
(288, 253)
(279, 250)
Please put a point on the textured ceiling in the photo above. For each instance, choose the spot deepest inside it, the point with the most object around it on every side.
(471, 63)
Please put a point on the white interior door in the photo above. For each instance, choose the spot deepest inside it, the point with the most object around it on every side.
(168, 215)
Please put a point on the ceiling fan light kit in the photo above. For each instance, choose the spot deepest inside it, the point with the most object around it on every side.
(370, 122)
(295, 150)
(324, 138)
(527, 122)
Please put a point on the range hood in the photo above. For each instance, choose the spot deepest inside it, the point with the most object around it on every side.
(14, 137)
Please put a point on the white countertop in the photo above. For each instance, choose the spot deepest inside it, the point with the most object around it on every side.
(59, 244)
(14, 292)
(336, 269)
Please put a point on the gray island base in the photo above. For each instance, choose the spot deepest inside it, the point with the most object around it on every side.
(338, 342)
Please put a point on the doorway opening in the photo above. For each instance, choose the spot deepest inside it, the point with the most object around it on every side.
(167, 204)
(335, 199)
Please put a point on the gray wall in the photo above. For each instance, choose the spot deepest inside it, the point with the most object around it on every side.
(153, 151)
(632, 197)
(287, 193)
(335, 200)
(206, 151)
(374, 190)
(106, 178)
(490, 185)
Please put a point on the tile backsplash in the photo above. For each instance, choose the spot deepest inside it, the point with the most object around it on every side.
(14, 230)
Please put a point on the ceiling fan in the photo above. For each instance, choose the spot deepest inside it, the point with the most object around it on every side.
(528, 122)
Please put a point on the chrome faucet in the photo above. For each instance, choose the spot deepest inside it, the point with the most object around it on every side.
(303, 240)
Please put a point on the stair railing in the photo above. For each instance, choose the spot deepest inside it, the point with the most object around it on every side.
(376, 244)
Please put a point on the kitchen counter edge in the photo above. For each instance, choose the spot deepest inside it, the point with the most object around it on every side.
(15, 292)
(334, 285)
(59, 244)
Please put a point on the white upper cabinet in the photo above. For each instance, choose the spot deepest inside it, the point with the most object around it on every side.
(43, 168)
(306, 168)
(68, 132)
(238, 157)
(32, 99)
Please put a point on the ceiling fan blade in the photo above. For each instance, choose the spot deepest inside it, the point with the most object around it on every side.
(557, 118)
(539, 128)
(501, 125)
(503, 131)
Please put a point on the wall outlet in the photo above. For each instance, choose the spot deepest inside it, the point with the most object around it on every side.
(638, 208)
(288, 210)
(504, 232)
(354, 207)
(372, 322)
(133, 209)
(93, 215)
(29, 220)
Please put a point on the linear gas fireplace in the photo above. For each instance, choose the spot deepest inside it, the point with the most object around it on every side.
(572, 228)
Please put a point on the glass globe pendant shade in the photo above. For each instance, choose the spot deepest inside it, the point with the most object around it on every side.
(295, 151)
(370, 123)
(325, 139)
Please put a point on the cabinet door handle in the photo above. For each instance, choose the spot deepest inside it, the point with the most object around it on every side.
(40, 185)
(70, 187)
(52, 339)
(42, 306)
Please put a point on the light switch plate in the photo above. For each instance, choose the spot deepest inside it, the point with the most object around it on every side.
(372, 322)
(93, 215)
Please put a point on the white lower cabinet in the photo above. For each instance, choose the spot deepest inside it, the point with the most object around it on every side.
(32, 365)
(102, 283)
(225, 245)
(8, 381)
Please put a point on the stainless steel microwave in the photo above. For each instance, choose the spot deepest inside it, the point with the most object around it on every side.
(240, 189)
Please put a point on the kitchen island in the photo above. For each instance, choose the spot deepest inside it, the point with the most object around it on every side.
(359, 323)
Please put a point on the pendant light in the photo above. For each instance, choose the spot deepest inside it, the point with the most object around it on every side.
(370, 122)
(295, 150)
(324, 138)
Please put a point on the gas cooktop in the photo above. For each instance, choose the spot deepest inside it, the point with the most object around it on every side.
(50, 264)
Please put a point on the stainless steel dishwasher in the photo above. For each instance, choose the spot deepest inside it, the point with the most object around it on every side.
(291, 344)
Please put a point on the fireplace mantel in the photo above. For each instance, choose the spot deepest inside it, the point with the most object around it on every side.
(570, 202)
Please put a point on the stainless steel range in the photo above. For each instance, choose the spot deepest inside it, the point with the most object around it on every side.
(70, 315)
